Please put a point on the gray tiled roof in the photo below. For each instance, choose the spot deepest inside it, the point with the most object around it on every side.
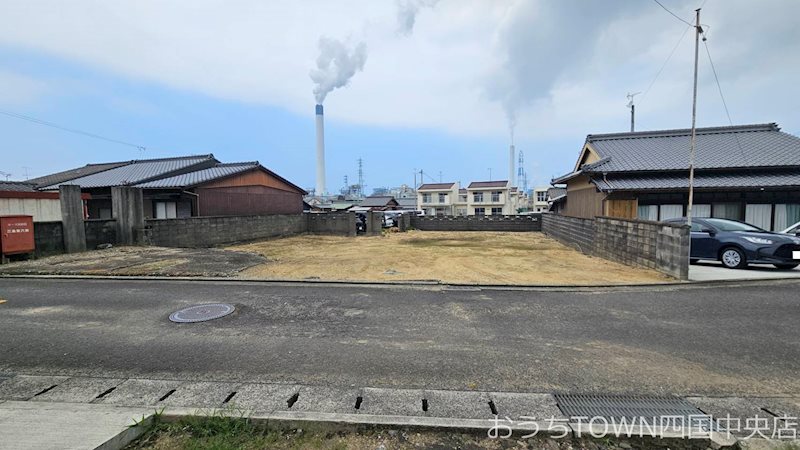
(435, 186)
(376, 201)
(139, 171)
(716, 180)
(17, 186)
(200, 176)
(60, 177)
(487, 184)
(555, 192)
(762, 145)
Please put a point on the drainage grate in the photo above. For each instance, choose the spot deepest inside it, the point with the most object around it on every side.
(649, 409)
(201, 313)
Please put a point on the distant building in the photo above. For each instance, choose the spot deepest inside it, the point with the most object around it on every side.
(539, 202)
(491, 198)
(376, 203)
(437, 199)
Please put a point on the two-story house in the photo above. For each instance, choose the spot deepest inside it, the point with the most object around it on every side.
(437, 199)
(489, 198)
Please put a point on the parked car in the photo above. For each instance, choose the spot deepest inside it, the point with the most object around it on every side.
(736, 244)
(794, 229)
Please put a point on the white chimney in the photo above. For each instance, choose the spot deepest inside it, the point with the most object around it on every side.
(511, 171)
(320, 152)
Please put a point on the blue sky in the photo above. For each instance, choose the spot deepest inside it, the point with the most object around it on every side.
(233, 79)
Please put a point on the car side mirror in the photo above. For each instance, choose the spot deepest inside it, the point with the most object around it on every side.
(709, 231)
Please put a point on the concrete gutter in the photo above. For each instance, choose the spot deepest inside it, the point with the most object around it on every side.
(414, 283)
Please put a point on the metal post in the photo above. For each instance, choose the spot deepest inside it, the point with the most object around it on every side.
(633, 109)
(692, 143)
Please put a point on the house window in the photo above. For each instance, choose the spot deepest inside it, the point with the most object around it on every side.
(426, 198)
(462, 198)
(671, 212)
(727, 211)
(166, 210)
(497, 211)
(541, 196)
(759, 215)
(786, 215)
(480, 211)
(496, 196)
(648, 212)
(440, 212)
(461, 211)
(477, 197)
(442, 198)
(104, 213)
(701, 211)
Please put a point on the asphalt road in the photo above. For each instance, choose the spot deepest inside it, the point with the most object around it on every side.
(734, 340)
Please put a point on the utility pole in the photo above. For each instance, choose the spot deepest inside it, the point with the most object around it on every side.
(360, 178)
(692, 143)
(415, 178)
(632, 107)
(490, 174)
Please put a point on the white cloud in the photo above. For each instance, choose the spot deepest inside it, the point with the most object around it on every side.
(564, 66)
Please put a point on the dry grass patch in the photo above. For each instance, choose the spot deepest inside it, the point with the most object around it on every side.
(454, 257)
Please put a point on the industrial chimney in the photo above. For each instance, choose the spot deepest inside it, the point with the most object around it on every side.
(511, 171)
(320, 190)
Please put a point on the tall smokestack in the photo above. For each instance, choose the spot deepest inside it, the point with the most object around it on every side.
(511, 171)
(320, 152)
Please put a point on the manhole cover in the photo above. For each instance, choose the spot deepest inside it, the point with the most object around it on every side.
(201, 313)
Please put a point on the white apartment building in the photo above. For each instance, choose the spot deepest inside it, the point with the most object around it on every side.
(491, 198)
(437, 199)
(540, 200)
(480, 198)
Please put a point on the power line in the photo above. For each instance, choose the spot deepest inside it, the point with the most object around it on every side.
(663, 66)
(71, 130)
(673, 14)
(721, 95)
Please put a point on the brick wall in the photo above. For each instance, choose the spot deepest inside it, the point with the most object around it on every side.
(48, 238)
(100, 231)
(478, 223)
(655, 245)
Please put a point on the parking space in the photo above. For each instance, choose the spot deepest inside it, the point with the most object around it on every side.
(714, 271)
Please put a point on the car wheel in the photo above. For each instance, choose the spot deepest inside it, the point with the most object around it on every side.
(786, 266)
(733, 258)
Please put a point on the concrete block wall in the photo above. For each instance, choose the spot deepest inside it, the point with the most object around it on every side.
(209, 231)
(655, 245)
(571, 231)
(340, 224)
(478, 223)
(374, 223)
(100, 231)
(48, 238)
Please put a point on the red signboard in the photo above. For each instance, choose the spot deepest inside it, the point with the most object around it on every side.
(16, 235)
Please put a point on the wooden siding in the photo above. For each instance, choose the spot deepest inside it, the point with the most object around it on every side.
(583, 199)
(248, 200)
(621, 208)
(252, 178)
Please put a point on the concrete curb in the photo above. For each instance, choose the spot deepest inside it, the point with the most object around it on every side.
(410, 284)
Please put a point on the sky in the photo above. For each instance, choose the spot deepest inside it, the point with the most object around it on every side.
(431, 85)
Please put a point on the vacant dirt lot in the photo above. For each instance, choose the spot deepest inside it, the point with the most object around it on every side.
(144, 261)
(455, 257)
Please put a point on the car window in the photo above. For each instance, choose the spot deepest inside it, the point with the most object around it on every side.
(696, 227)
(731, 225)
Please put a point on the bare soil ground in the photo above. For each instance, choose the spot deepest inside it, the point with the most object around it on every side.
(143, 261)
(454, 257)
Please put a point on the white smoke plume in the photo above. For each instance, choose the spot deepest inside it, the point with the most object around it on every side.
(407, 11)
(336, 65)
